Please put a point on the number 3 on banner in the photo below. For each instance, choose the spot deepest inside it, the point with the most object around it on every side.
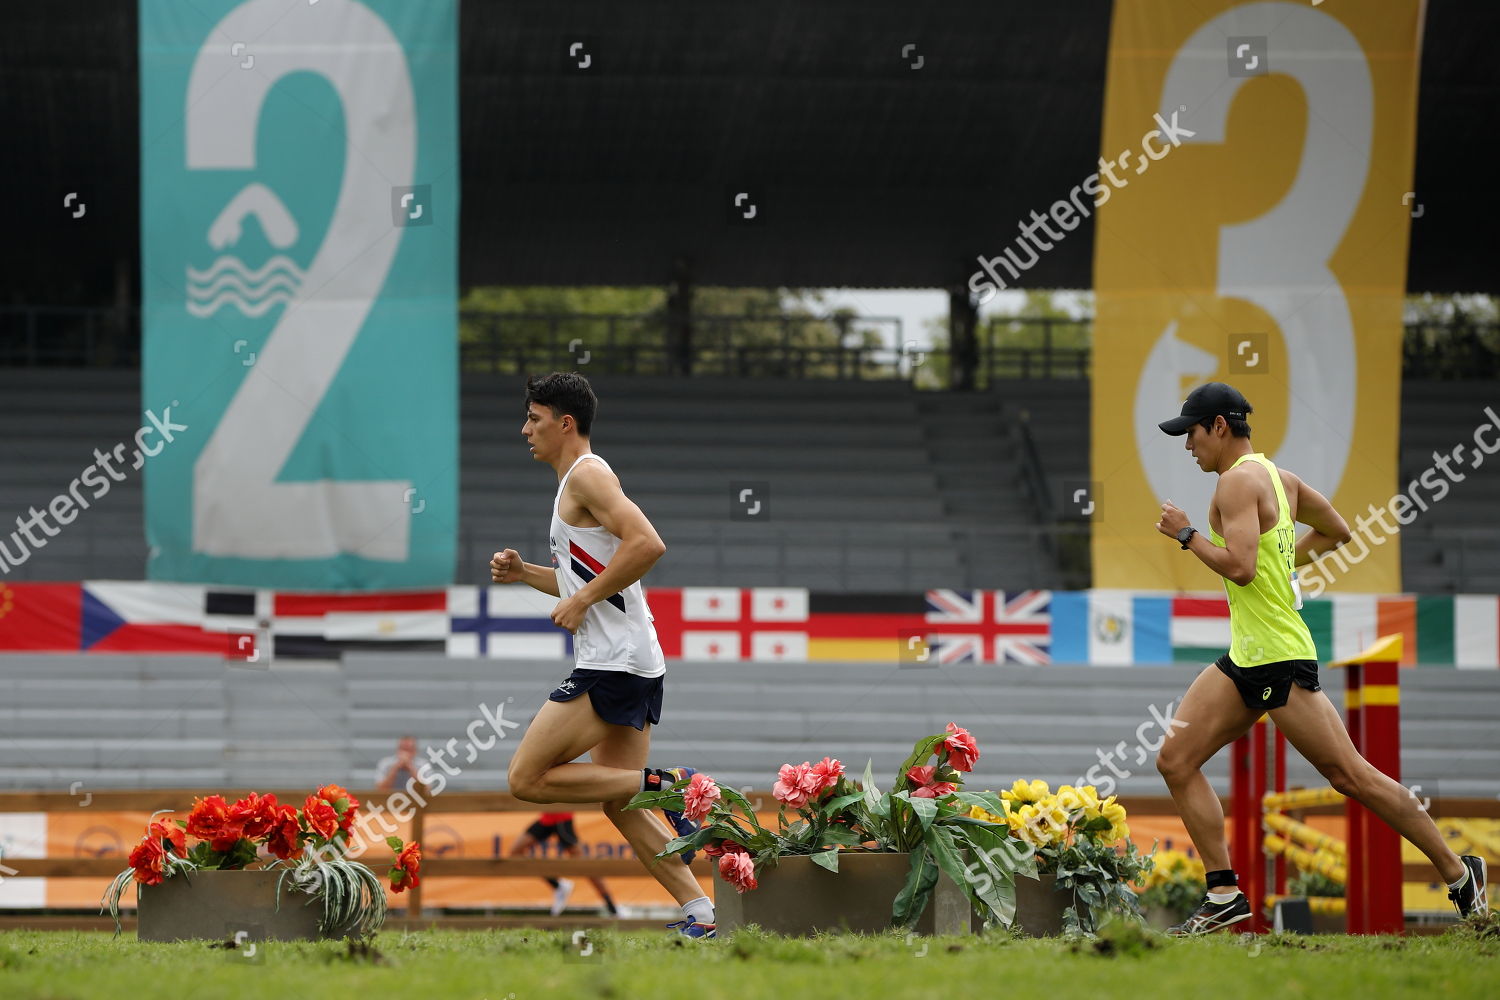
(239, 510)
(1279, 261)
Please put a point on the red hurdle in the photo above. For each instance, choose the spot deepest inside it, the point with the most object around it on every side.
(1372, 705)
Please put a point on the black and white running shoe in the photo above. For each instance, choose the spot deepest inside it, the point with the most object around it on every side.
(1211, 916)
(1469, 898)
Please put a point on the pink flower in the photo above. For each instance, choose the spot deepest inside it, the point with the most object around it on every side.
(794, 784)
(963, 752)
(934, 791)
(699, 796)
(828, 771)
(922, 775)
(738, 868)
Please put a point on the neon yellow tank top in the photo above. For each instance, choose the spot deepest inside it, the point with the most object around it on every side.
(1264, 625)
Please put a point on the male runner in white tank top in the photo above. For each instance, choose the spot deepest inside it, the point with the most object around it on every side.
(601, 547)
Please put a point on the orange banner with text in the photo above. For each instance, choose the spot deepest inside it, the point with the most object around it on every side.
(1254, 214)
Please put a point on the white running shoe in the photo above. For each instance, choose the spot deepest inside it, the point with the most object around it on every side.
(560, 895)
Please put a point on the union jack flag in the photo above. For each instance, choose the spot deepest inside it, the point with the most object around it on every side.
(955, 606)
(949, 648)
(1023, 626)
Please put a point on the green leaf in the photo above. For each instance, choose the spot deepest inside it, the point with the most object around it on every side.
(837, 834)
(827, 859)
(999, 895)
(873, 798)
(912, 900)
(988, 801)
(394, 843)
(926, 810)
(920, 751)
(656, 800)
(833, 806)
(734, 795)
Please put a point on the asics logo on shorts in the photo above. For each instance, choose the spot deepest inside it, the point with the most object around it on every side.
(1265, 695)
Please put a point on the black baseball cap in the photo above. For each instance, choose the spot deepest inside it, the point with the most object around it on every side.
(1211, 399)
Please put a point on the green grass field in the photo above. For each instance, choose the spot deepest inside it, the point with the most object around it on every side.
(533, 965)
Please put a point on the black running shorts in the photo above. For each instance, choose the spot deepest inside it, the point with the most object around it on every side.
(563, 831)
(1269, 685)
(618, 698)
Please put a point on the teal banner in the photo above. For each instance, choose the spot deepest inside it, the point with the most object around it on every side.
(299, 198)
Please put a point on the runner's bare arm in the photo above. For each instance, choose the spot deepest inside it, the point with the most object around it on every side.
(1240, 520)
(508, 567)
(1329, 530)
(598, 490)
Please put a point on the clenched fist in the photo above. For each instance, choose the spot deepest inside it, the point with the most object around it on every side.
(507, 567)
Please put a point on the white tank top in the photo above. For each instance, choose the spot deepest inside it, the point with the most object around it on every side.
(616, 633)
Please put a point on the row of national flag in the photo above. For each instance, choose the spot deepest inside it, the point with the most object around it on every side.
(756, 624)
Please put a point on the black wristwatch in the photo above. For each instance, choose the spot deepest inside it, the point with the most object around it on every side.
(1186, 535)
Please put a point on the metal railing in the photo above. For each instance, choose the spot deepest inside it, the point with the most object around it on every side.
(746, 346)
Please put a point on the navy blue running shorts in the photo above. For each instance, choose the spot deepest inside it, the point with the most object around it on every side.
(619, 698)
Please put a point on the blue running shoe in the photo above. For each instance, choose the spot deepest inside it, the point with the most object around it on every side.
(683, 826)
(693, 929)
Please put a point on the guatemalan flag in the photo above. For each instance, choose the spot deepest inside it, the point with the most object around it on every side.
(1111, 628)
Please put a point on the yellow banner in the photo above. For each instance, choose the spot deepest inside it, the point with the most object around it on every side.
(1254, 207)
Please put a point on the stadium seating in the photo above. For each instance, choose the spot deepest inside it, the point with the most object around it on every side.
(189, 721)
(872, 486)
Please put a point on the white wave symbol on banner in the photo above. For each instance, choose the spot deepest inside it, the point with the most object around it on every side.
(229, 281)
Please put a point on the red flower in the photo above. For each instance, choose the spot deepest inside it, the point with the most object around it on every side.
(320, 817)
(738, 868)
(332, 794)
(934, 791)
(281, 839)
(210, 820)
(161, 829)
(922, 775)
(794, 784)
(963, 752)
(828, 771)
(256, 814)
(699, 796)
(148, 859)
(408, 864)
(714, 848)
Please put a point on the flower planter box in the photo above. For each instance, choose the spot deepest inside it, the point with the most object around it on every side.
(1039, 907)
(215, 905)
(800, 897)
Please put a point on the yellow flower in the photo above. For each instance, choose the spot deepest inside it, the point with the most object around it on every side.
(1114, 812)
(1089, 795)
(1069, 799)
(1051, 815)
(979, 812)
(1024, 791)
(1120, 831)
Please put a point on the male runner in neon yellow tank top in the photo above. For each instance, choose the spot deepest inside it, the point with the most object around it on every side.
(1272, 663)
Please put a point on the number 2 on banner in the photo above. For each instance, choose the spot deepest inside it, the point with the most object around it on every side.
(239, 509)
